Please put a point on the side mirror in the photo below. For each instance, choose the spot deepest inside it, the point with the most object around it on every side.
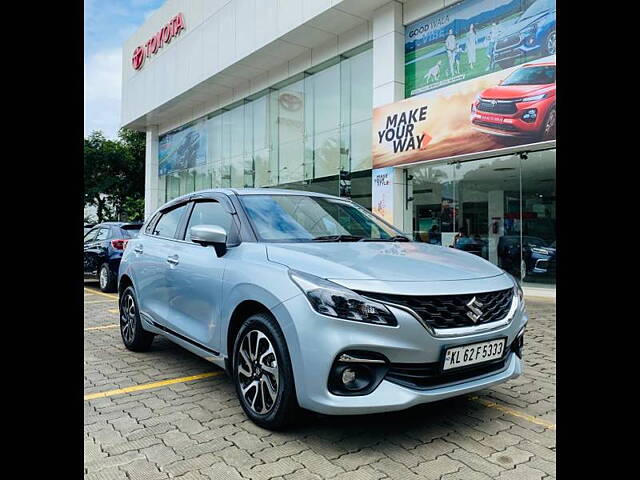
(210, 235)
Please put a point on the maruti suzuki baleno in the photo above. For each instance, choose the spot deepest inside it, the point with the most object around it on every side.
(309, 301)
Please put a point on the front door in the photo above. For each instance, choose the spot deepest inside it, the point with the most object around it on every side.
(196, 279)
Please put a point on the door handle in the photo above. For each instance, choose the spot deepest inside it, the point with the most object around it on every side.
(173, 260)
(138, 249)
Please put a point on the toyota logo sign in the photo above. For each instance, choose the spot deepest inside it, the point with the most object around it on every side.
(138, 58)
(166, 33)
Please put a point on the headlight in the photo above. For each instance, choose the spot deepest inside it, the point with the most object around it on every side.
(542, 251)
(534, 98)
(334, 300)
(517, 289)
(530, 31)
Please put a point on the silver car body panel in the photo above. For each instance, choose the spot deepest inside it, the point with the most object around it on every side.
(192, 303)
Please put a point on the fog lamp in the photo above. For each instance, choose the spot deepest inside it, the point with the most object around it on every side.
(348, 376)
(530, 115)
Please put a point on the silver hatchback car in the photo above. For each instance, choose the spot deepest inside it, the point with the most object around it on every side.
(310, 301)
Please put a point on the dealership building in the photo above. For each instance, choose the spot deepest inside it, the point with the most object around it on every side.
(437, 115)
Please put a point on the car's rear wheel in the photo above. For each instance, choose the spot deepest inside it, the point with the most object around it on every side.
(549, 125)
(106, 279)
(134, 337)
(262, 373)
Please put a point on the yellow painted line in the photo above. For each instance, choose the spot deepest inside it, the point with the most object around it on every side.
(99, 301)
(96, 292)
(113, 310)
(102, 327)
(515, 413)
(148, 386)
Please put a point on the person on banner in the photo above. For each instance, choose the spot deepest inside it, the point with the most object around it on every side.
(450, 47)
(492, 37)
(471, 46)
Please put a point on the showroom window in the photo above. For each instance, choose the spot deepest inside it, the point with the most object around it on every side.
(502, 209)
(299, 133)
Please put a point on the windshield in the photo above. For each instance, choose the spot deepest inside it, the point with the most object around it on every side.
(535, 9)
(300, 218)
(542, 75)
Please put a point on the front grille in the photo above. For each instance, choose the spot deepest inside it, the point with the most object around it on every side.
(503, 107)
(508, 42)
(428, 375)
(507, 127)
(450, 311)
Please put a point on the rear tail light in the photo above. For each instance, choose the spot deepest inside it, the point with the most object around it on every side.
(119, 243)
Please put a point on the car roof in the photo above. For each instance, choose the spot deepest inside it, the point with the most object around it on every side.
(117, 224)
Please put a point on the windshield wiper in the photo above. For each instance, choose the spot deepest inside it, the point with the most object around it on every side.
(395, 238)
(336, 238)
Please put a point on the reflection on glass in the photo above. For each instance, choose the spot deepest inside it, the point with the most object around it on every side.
(302, 134)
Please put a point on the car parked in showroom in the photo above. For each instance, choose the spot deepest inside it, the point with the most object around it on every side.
(103, 247)
(522, 105)
(531, 35)
(538, 256)
(309, 301)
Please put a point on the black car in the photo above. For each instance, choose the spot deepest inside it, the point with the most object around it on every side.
(103, 246)
(538, 256)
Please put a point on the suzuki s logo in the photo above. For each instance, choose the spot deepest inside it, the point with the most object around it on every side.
(475, 313)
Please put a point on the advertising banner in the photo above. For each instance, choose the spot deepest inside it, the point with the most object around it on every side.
(382, 193)
(183, 148)
(483, 77)
(515, 106)
(475, 37)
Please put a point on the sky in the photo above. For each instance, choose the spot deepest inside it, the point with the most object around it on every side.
(107, 24)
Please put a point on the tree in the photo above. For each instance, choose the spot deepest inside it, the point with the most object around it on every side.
(114, 175)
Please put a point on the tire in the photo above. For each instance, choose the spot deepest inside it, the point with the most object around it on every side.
(255, 370)
(106, 279)
(550, 43)
(523, 270)
(134, 337)
(548, 131)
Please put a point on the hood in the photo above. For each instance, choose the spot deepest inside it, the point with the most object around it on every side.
(506, 92)
(386, 261)
(516, 25)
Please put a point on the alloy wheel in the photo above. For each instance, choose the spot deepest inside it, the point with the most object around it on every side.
(257, 372)
(104, 277)
(128, 318)
(550, 125)
(551, 44)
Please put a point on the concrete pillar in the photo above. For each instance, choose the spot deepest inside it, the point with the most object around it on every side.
(151, 187)
(388, 87)
(496, 214)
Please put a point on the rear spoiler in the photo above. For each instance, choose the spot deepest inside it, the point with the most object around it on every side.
(131, 226)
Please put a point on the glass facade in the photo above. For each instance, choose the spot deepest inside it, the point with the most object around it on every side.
(502, 209)
(312, 132)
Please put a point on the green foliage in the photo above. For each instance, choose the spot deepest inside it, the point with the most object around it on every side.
(114, 175)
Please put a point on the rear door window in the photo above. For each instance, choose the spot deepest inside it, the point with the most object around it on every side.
(168, 224)
(103, 234)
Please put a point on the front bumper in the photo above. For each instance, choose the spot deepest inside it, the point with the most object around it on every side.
(316, 340)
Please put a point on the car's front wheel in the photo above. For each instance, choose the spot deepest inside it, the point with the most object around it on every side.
(550, 43)
(134, 337)
(262, 373)
(549, 125)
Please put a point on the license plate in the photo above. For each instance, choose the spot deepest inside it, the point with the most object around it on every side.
(491, 118)
(472, 354)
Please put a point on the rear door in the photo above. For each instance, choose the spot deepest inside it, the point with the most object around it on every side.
(95, 251)
(89, 261)
(151, 252)
(197, 275)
